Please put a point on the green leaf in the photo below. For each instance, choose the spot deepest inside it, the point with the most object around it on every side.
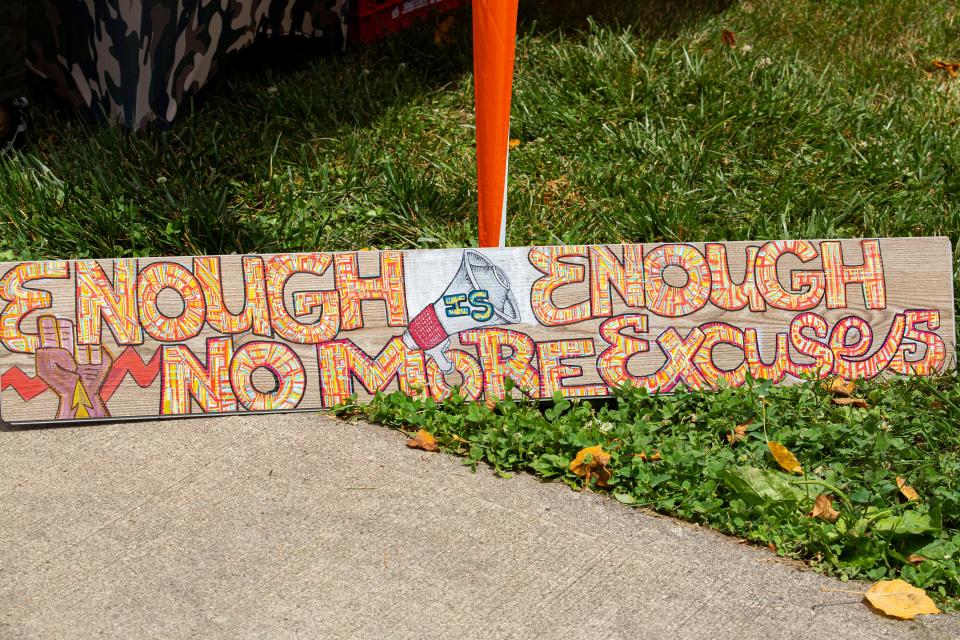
(904, 524)
(757, 486)
(939, 549)
(550, 465)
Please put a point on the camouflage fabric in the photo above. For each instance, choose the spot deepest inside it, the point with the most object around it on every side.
(13, 46)
(136, 61)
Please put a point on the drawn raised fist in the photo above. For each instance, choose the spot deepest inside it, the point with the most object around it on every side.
(76, 373)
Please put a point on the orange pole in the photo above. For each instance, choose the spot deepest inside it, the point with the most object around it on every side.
(494, 47)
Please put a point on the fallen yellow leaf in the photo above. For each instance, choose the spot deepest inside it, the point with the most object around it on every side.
(739, 432)
(784, 457)
(596, 466)
(823, 509)
(908, 492)
(952, 68)
(597, 454)
(514, 143)
(653, 457)
(423, 439)
(851, 402)
(840, 387)
(899, 599)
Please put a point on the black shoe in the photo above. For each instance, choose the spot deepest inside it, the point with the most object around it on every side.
(13, 124)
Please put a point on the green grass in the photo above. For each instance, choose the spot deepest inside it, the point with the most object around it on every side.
(827, 119)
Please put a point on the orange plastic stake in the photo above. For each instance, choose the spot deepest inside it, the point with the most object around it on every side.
(494, 47)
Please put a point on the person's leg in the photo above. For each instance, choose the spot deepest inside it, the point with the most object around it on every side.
(13, 54)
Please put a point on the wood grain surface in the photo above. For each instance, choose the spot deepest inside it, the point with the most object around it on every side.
(147, 337)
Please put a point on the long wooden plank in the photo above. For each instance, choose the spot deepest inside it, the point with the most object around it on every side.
(94, 340)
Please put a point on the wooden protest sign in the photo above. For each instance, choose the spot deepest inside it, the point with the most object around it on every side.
(130, 338)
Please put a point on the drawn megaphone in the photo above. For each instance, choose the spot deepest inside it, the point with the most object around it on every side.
(479, 295)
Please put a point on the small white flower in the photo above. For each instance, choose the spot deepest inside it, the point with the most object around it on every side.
(863, 144)
(764, 62)
(747, 48)
(600, 425)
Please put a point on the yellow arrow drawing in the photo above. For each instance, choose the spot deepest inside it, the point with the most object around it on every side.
(81, 402)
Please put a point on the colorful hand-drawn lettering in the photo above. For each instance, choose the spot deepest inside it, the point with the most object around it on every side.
(135, 337)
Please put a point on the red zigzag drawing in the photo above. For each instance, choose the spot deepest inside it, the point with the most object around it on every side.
(129, 361)
(143, 373)
(28, 388)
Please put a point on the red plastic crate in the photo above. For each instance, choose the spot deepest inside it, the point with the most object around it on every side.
(370, 20)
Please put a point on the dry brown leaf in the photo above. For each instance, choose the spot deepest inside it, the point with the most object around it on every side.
(823, 509)
(840, 387)
(514, 143)
(952, 68)
(784, 457)
(851, 402)
(739, 432)
(908, 492)
(441, 34)
(772, 547)
(423, 439)
(899, 599)
(653, 457)
(915, 559)
(596, 467)
(728, 37)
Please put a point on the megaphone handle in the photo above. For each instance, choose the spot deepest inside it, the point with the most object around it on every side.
(439, 355)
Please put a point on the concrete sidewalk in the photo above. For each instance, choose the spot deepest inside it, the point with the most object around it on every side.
(305, 526)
